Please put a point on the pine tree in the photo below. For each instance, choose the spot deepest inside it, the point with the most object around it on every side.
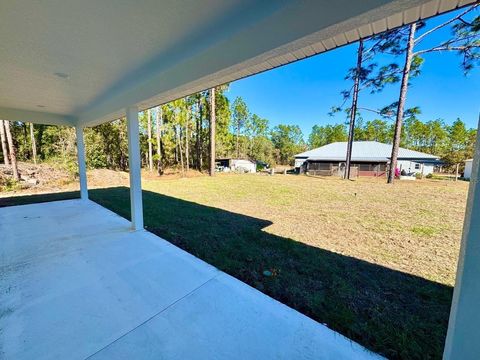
(11, 150)
(3, 138)
(213, 125)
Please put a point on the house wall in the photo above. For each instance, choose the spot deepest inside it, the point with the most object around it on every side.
(415, 167)
(376, 169)
(243, 164)
(326, 168)
(371, 169)
(299, 162)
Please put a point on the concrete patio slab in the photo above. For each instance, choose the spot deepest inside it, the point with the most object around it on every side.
(76, 283)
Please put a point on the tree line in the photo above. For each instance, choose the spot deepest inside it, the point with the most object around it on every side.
(177, 135)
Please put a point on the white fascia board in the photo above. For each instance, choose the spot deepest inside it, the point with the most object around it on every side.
(37, 117)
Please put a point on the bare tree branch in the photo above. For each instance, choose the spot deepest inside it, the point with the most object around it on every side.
(465, 22)
(445, 48)
(379, 112)
(458, 17)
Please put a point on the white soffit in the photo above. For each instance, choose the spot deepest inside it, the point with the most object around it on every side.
(82, 62)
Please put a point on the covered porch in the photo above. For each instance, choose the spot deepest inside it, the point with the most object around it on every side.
(78, 283)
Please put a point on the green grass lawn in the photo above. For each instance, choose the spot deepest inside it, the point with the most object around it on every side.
(371, 261)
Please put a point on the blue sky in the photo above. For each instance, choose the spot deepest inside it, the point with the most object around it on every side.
(303, 93)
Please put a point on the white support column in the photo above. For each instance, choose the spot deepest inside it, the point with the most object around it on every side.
(136, 205)
(82, 169)
(463, 341)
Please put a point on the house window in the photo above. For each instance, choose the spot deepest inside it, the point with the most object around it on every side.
(417, 166)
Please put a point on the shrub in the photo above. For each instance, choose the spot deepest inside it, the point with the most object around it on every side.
(8, 184)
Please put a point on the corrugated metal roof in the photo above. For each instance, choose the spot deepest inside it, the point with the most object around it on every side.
(362, 151)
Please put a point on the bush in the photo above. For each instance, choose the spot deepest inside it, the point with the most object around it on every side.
(8, 184)
(429, 176)
(66, 163)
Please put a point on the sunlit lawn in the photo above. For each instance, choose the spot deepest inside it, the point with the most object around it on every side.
(411, 227)
(373, 261)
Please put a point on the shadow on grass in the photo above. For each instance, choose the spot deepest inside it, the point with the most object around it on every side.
(390, 312)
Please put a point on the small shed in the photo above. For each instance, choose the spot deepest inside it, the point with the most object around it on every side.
(239, 165)
(467, 173)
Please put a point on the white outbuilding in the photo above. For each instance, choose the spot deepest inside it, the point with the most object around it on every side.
(236, 165)
(467, 173)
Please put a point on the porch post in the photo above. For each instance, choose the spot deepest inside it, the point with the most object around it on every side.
(82, 169)
(464, 324)
(136, 206)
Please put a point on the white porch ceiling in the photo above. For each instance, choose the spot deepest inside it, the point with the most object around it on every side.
(82, 62)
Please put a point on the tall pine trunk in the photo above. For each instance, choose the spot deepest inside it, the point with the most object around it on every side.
(158, 121)
(150, 145)
(353, 109)
(39, 142)
(179, 141)
(11, 150)
(198, 153)
(200, 137)
(238, 139)
(34, 144)
(3, 138)
(25, 136)
(401, 103)
(212, 131)
(176, 143)
(187, 140)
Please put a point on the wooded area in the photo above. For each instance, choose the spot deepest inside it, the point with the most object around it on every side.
(182, 132)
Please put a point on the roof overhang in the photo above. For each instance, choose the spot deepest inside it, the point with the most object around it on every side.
(36, 117)
(95, 59)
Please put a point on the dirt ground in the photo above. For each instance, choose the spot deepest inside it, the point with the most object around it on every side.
(51, 179)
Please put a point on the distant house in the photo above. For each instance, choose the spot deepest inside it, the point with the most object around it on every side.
(369, 158)
(239, 165)
(467, 173)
